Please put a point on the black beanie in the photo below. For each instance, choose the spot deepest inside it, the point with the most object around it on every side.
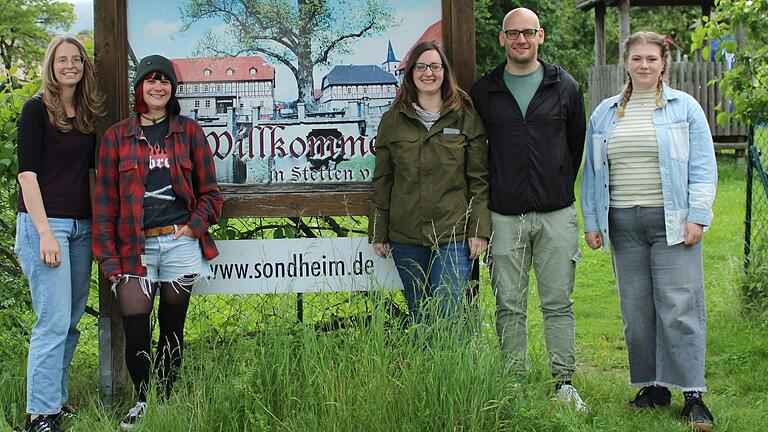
(155, 63)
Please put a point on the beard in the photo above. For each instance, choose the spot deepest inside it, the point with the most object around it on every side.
(521, 58)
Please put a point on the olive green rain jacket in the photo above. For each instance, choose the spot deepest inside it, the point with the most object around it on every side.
(430, 187)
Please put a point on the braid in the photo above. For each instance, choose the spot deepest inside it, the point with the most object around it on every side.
(625, 99)
(659, 90)
(644, 37)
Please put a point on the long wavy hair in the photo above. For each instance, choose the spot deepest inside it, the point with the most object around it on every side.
(88, 100)
(453, 97)
(642, 38)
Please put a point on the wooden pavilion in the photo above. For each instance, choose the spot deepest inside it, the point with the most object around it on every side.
(690, 76)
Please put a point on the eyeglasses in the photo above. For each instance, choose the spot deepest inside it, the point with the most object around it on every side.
(421, 67)
(64, 61)
(527, 33)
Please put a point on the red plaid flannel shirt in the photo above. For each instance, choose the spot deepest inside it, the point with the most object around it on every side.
(118, 212)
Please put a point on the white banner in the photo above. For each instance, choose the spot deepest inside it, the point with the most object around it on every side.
(298, 265)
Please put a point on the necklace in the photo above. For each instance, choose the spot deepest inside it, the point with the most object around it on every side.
(154, 120)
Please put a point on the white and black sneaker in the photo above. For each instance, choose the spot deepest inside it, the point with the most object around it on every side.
(568, 394)
(43, 423)
(134, 416)
(66, 414)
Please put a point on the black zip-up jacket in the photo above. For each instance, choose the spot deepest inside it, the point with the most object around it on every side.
(533, 161)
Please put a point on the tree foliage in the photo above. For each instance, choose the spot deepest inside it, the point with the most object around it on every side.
(299, 34)
(14, 298)
(570, 32)
(25, 26)
(11, 101)
(746, 84)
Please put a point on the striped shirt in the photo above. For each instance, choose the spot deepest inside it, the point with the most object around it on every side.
(427, 118)
(633, 156)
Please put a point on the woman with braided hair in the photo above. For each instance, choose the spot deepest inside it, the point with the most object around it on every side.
(649, 180)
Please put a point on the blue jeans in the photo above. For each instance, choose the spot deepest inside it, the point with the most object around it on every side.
(438, 274)
(661, 293)
(59, 295)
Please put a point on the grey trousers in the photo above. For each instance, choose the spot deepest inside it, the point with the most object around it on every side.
(549, 241)
(661, 290)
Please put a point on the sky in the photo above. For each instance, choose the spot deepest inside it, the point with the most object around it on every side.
(154, 28)
(84, 12)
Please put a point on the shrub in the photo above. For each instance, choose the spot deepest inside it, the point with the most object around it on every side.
(15, 303)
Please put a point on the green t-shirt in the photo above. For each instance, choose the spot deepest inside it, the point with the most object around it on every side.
(523, 87)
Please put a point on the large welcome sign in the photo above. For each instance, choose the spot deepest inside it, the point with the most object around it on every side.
(290, 94)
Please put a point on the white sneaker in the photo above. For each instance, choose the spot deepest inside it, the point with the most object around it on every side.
(134, 416)
(567, 393)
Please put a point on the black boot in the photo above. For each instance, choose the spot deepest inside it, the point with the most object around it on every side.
(697, 413)
(651, 397)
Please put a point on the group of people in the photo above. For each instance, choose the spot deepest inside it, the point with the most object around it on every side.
(143, 210)
(457, 174)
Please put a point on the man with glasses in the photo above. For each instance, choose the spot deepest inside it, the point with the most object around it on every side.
(535, 121)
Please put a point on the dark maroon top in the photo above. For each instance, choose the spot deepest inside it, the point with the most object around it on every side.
(60, 160)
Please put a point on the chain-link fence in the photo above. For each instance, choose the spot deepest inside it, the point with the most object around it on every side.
(228, 316)
(216, 318)
(755, 284)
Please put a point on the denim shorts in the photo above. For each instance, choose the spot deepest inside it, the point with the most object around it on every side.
(177, 261)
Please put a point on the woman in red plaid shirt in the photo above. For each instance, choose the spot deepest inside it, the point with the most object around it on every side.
(156, 195)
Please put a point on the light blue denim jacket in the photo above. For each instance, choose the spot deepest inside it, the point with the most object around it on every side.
(686, 161)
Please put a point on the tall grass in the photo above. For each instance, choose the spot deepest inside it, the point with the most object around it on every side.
(377, 376)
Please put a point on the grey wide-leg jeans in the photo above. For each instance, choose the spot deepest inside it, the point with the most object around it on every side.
(550, 242)
(661, 290)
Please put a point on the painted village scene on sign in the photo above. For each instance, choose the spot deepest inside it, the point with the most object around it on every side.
(289, 91)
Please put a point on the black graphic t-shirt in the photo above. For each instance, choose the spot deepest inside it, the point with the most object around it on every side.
(161, 205)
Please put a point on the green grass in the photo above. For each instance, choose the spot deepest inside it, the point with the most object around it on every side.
(375, 377)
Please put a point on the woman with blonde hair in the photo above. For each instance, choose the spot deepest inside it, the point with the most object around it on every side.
(649, 180)
(430, 185)
(56, 145)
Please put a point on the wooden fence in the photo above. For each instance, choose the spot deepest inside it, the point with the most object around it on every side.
(690, 77)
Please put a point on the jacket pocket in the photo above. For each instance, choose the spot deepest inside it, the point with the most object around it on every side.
(185, 169)
(598, 147)
(185, 164)
(129, 175)
(405, 153)
(678, 141)
(450, 149)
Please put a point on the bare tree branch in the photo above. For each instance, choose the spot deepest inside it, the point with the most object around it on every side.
(326, 53)
(311, 31)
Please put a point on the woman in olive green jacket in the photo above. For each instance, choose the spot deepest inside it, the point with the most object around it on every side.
(430, 186)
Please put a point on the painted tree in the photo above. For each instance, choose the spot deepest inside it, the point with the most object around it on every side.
(25, 27)
(746, 84)
(299, 34)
